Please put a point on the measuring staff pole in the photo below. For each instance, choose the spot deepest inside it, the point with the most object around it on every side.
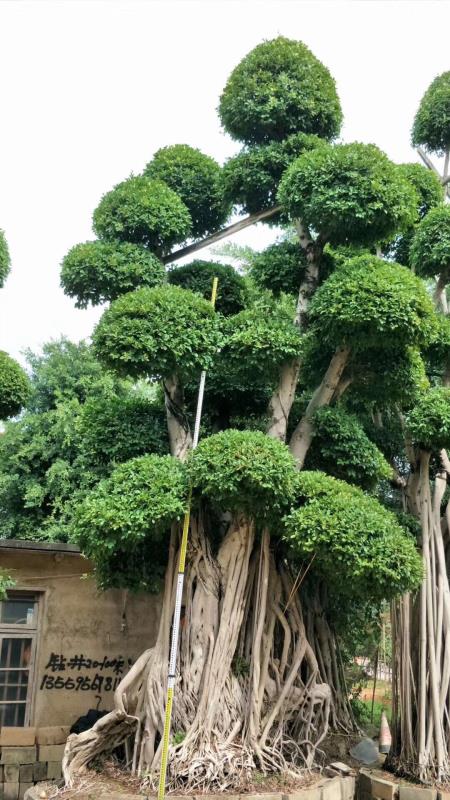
(179, 594)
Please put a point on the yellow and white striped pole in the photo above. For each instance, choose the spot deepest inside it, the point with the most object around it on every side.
(179, 594)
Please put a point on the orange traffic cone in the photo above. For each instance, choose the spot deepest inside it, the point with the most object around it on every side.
(385, 734)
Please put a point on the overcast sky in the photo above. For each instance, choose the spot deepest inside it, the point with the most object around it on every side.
(91, 88)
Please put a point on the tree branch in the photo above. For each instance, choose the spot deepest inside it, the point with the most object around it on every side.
(252, 219)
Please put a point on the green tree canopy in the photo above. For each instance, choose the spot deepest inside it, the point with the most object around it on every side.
(143, 211)
(198, 277)
(157, 332)
(14, 386)
(349, 193)
(277, 89)
(429, 421)
(98, 272)
(431, 127)
(430, 248)
(5, 261)
(197, 180)
(357, 545)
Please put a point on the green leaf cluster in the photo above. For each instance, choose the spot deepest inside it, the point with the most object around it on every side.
(198, 277)
(349, 193)
(342, 448)
(157, 332)
(197, 180)
(280, 267)
(117, 426)
(100, 271)
(430, 248)
(279, 88)
(123, 525)
(431, 126)
(428, 422)
(142, 211)
(244, 471)
(14, 386)
(251, 178)
(356, 544)
(5, 261)
(369, 302)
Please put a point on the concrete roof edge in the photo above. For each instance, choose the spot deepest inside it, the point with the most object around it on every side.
(39, 547)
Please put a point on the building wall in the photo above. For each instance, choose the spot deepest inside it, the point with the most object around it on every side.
(86, 639)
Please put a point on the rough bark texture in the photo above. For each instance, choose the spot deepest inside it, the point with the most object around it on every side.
(303, 434)
(254, 673)
(421, 639)
(180, 437)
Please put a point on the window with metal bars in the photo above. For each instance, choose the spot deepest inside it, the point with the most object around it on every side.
(18, 633)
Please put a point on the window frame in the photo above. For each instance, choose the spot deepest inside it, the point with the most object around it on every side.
(23, 631)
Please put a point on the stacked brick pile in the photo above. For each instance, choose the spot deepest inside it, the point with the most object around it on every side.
(29, 755)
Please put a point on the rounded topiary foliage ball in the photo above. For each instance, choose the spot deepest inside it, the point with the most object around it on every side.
(430, 248)
(157, 332)
(14, 386)
(123, 524)
(428, 423)
(5, 262)
(143, 211)
(349, 193)
(97, 272)
(368, 302)
(357, 545)
(198, 276)
(244, 471)
(431, 126)
(197, 180)
(279, 88)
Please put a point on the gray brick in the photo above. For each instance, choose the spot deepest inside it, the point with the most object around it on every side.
(383, 790)
(10, 791)
(26, 773)
(417, 793)
(40, 771)
(11, 773)
(331, 790)
(310, 793)
(18, 755)
(23, 787)
(51, 752)
(54, 770)
(348, 787)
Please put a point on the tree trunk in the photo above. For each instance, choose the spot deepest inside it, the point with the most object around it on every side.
(251, 689)
(303, 434)
(421, 637)
(180, 438)
(283, 396)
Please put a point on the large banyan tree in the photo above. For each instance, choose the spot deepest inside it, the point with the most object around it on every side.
(314, 357)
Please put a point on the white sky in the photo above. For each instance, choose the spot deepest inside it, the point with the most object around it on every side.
(90, 89)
